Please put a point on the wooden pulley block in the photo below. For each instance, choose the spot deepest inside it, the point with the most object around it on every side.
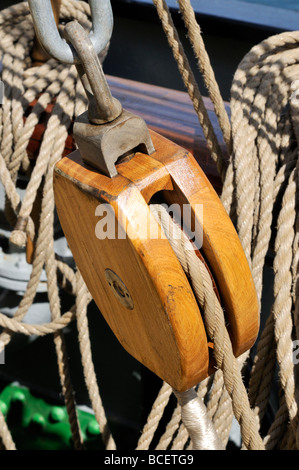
(135, 278)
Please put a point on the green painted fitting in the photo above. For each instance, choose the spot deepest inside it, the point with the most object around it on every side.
(18, 396)
(3, 407)
(93, 428)
(38, 420)
(57, 414)
(37, 424)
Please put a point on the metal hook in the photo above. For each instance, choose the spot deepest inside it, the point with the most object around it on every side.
(49, 37)
(102, 106)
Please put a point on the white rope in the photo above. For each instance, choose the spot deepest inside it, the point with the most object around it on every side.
(195, 418)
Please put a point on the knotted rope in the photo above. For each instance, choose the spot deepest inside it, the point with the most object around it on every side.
(260, 193)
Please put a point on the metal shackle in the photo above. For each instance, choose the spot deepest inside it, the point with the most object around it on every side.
(48, 35)
(102, 107)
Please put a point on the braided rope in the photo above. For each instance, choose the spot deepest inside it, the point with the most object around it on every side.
(6, 438)
(82, 300)
(190, 83)
(206, 69)
(263, 160)
(215, 324)
(20, 89)
(154, 417)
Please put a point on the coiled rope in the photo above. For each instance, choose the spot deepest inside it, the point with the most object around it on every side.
(260, 192)
(23, 84)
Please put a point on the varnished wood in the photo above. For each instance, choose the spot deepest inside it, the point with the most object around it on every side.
(167, 112)
(171, 114)
(35, 216)
(221, 248)
(164, 330)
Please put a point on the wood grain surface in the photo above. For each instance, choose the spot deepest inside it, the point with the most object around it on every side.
(164, 330)
(167, 112)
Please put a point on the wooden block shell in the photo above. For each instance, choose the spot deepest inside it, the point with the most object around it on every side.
(135, 278)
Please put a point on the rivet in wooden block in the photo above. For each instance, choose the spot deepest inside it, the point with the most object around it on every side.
(119, 289)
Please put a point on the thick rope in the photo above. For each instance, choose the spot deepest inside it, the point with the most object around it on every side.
(6, 438)
(190, 83)
(196, 421)
(83, 299)
(261, 91)
(15, 137)
(66, 104)
(207, 71)
(215, 324)
(154, 417)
